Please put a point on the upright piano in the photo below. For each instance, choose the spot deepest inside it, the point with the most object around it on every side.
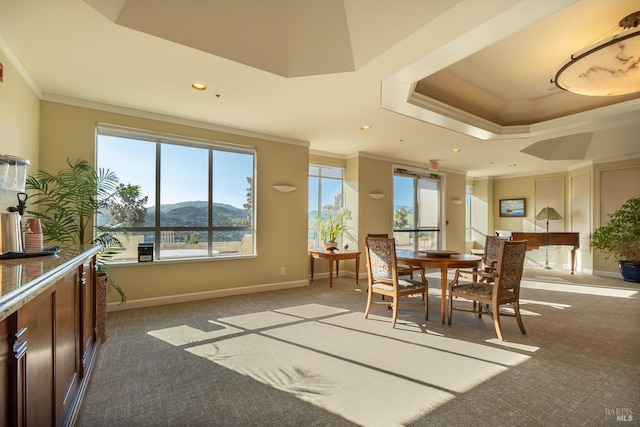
(552, 238)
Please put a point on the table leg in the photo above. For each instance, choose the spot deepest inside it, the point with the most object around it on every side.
(312, 260)
(337, 268)
(331, 273)
(573, 259)
(443, 290)
(357, 269)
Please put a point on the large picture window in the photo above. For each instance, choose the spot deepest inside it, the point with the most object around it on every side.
(195, 197)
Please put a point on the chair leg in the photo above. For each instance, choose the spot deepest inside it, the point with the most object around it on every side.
(496, 322)
(450, 307)
(395, 311)
(369, 299)
(516, 309)
(425, 297)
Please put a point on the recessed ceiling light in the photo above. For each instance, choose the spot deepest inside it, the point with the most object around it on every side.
(365, 128)
(455, 150)
(199, 86)
(512, 165)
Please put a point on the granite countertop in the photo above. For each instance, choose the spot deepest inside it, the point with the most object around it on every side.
(22, 279)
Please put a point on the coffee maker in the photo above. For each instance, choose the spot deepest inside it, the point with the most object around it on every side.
(13, 175)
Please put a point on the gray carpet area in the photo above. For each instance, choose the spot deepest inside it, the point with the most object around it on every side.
(307, 357)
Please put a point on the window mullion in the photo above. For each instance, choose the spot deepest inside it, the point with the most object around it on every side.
(211, 198)
(157, 232)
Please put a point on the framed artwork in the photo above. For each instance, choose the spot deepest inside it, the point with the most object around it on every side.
(513, 207)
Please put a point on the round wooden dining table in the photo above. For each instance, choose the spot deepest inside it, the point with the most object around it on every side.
(444, 260)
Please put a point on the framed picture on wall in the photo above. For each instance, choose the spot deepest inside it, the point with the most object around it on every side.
(513, 207)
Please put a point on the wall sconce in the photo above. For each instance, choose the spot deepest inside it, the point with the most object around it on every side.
(376, 196)
(282, 188)
(456, 201)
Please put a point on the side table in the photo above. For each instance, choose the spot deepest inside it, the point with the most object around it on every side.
(334, 256)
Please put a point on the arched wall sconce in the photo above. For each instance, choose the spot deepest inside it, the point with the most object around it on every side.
(456, 201)
(282, 188)
(376, 195)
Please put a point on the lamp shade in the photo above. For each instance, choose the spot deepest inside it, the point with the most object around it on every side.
(548, 214)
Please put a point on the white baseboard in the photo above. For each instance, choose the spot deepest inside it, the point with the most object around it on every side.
(219, 293)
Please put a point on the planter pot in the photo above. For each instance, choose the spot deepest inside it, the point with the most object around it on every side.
(630, 271)
(328, 246)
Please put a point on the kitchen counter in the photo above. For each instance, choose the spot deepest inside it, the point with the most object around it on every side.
(48, 335)
(23, 279)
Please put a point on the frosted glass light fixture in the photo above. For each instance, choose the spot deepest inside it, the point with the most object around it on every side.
(607, 68)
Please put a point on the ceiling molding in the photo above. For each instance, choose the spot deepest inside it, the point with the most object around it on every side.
(401, 98)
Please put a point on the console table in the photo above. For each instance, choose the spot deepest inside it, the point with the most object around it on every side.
(552, 238)
(331, 257)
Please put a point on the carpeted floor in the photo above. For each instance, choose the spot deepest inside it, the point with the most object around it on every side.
(307, 357)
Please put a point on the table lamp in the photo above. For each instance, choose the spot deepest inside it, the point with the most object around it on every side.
(548, 214)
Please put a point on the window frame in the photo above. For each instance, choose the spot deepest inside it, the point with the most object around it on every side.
(157, 229)
(415, 232)
(317, 243)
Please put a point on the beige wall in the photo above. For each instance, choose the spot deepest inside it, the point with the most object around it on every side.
(454, 215)
(583, 207)
(47, 133)
(614, 183)
(364, 175)
(19, 121)
(281, 232)
(481, 212)
(376, 216)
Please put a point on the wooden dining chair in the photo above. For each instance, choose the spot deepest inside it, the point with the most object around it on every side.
(403, 269)
(501, 287)
(490, 255)
(383, 279)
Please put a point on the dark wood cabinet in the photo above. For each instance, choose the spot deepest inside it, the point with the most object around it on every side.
(48, 344)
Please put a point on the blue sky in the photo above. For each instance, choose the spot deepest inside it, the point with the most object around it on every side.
(184, 170)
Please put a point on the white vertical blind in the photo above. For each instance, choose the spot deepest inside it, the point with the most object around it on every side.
(428, 203)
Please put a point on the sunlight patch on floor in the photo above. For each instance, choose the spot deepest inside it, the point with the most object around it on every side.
(260, 320)
(337, 385)
(579, 289)
(514, 345)
(183, 334)
(338, 360)
(557, 305)
(312, 311)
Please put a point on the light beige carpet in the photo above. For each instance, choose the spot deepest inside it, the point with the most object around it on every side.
(308, 357)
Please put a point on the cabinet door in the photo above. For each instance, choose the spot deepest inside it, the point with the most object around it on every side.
(4, 373)
(67, 340)
(37, 318)
(87, 313)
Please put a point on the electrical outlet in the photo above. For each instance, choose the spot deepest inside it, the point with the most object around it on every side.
(282, 271)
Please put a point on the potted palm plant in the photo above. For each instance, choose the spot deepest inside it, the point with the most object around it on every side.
(67, 203)
(620, 238)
